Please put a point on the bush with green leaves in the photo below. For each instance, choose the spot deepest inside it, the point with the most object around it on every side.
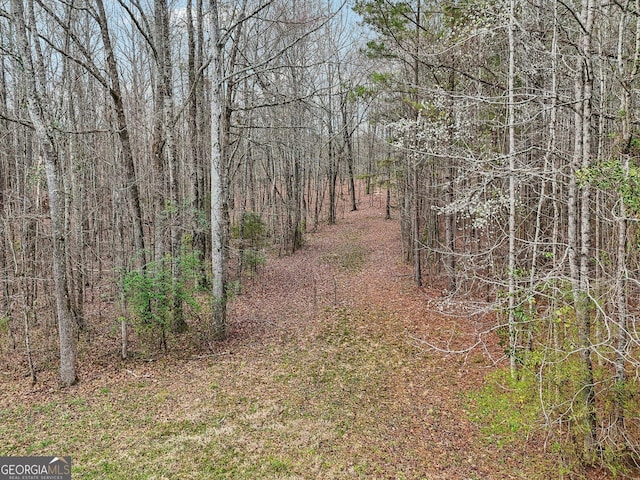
(251, 229)
(544, 397)
(154, 295)
(251, 236)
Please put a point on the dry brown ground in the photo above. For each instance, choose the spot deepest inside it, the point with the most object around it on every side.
(324, 375)
(421, 426)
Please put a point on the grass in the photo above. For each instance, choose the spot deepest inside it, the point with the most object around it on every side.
(506, 409)
(291, 414)
(347, 396)
(350, 255)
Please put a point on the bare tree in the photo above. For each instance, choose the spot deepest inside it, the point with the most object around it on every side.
(39, 114)
(218, 215)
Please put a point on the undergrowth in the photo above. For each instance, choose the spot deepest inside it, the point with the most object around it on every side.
(291, 413)
(349, 256)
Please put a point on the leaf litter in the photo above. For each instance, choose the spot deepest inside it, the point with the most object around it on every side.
(321, 377)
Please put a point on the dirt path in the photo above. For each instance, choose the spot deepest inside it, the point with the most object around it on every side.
(323, 377)
(350, 276)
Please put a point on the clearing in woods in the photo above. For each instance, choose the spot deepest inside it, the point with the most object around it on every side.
(322, 377)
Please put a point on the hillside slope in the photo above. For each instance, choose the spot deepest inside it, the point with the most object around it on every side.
(324, 375)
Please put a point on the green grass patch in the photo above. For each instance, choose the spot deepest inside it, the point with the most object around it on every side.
(350, 255)
(505, 408)
(291, 413)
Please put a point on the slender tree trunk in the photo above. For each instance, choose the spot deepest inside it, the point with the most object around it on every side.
(196, 136)
(74, 201)
(119, 253)
(547, 169)
(133, 191)
(582, 301)
(404, 194)
(37, 109)
(6, 309)
(27, 344)
(169, 171)
(219, 251)
(416, 227)
(333, 169)
(387, 215)
(623, 341)
(513, 287)
(348, 143)
(450, 229)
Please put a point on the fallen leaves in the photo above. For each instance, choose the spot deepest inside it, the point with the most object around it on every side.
(319, 378)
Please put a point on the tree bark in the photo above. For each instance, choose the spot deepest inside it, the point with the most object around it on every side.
(627, 76)
(115, 91)
(511, 273)
(37, 111)
(218, 238)
(582, 300)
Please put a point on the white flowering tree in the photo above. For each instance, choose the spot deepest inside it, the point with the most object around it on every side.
(515, 139)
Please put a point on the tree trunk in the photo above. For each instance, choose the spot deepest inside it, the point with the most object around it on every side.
(623, 340)
(584, 86)
(37, 110)
(512, 195)
(133, 197)
(218, 247)
(347, 134)
(168, 160)
(416, 228)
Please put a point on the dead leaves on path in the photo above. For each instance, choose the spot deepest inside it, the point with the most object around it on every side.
(319, 378)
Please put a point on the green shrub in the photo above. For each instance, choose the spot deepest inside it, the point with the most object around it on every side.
(251, 238)
(154, 297)
(506, 408)
(251, 229)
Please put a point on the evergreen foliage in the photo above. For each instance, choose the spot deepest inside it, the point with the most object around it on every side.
(151, 294)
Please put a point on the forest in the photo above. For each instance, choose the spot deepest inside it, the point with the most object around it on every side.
(162, 160)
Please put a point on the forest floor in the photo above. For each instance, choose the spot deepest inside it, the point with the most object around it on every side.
(325, 375)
